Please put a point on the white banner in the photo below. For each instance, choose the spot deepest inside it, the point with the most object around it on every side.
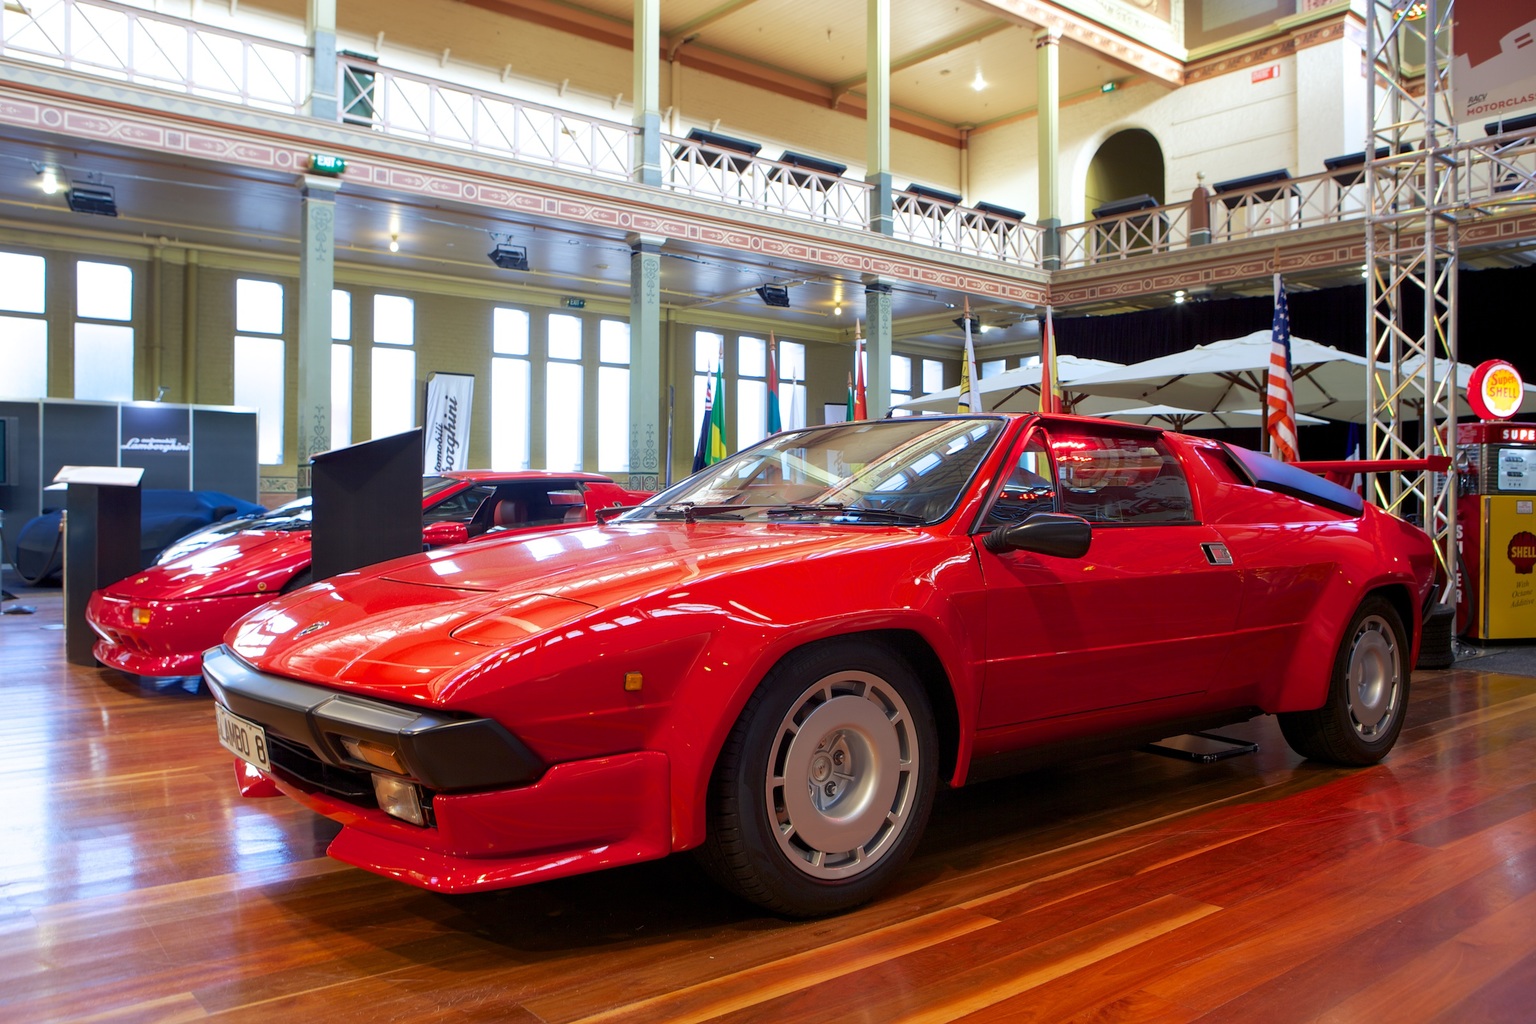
(449, 396)
(1494, 74)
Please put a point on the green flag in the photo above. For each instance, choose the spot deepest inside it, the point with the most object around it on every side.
(717, 450)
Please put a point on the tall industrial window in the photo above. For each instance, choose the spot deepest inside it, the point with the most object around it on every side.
(23, 339)
(901, 383)
(933, 376)
(708, 351)
(991, 368)
(341, 368)
(751, 391)
(103, 351)
(509, 388)
(563, 394)
(791, 367)
(260, 362)
(394, 365)
(613, 396)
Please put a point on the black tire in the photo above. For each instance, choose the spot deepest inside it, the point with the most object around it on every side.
(851, 721)
(1367, 696)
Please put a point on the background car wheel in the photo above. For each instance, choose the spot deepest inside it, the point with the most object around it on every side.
(826, 782)
(1367, 695)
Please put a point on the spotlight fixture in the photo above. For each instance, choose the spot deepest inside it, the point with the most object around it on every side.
(394, 243)
(97, 199)
(50, 180)
(773, 294)
(509, 257)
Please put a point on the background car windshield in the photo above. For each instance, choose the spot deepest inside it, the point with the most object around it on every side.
(913, 467)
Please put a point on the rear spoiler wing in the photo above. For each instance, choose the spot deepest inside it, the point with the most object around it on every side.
(1296, 480)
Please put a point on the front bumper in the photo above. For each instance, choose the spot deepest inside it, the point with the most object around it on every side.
(172, 642)
(499, 816)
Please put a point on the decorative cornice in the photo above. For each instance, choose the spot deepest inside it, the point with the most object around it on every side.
(1266, 51)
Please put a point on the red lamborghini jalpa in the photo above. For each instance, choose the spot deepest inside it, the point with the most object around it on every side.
(776, 662)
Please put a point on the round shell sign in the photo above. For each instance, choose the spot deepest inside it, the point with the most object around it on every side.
(1494, 390)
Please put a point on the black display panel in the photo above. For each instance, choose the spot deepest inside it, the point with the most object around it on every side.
(158, 440)
(367, 503)
(78, 434)
(224, 453)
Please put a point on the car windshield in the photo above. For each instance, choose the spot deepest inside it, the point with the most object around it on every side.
(909, 470)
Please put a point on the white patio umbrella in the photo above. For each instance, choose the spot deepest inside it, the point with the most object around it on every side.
(1190, 419)
(1018, 390)
(1233, 374)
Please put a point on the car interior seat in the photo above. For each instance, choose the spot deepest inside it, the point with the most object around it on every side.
(510, 512)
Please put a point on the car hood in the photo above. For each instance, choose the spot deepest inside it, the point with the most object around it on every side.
(402, 628)
(238, 564)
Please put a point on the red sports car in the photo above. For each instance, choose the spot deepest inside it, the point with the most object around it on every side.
(777, 661)
(158, 622)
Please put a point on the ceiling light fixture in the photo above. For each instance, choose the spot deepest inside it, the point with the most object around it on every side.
(978, 83)
(394, 243)
(50, 180)
(837, 309)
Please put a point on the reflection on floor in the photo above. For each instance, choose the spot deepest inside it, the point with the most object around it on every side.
(136, 885)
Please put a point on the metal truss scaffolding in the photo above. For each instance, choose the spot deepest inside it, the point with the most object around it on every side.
(1411, 252)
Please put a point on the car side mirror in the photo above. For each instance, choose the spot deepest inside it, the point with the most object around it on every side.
(1044, 533)
(439, 534)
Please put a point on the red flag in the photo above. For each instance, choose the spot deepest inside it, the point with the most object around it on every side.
(1050, 384)
(1280, 397)
(860, 399)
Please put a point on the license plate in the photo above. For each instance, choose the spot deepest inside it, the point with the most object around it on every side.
(246, 740)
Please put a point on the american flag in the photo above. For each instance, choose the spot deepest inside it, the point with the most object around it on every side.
(1281, 398)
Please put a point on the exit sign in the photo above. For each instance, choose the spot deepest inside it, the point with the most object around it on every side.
(320, 163)
(573, 303)
(1265, 74)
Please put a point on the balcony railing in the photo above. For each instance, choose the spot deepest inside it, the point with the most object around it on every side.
(696, 167)
(126, 43)
(129, 44)
(426, 110)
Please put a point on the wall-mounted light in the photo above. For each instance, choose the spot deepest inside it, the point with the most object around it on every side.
(97, 199)
(394, 243)
(509, 257)
(773, 294)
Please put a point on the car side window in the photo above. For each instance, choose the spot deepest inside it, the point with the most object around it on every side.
(1030, 488)
(457, 507)
(1121, 478)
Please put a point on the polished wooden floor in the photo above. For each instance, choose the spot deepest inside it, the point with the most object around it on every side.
(135, 885)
